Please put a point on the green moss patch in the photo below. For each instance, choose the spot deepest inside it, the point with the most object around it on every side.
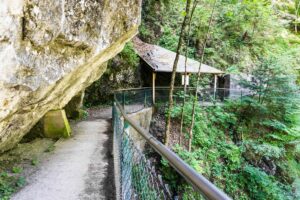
(56, 124)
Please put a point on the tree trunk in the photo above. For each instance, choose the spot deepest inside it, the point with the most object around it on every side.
(297, 7)
(198, 77)
(185, 70)
(181, 37)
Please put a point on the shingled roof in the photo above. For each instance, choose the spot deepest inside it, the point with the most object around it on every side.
(162, 60)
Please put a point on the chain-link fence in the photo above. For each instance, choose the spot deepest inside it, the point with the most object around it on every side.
(134, 100)
(136, 176)
(135, 172)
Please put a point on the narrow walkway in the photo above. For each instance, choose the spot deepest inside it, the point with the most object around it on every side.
(79, 168)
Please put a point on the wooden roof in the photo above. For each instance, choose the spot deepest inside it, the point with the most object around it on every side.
(162, 60)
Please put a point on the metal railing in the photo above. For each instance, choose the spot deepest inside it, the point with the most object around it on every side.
(136, 99)
(136, 177)
(204, 95)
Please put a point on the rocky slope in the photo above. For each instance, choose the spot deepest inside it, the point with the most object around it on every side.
(52, 50)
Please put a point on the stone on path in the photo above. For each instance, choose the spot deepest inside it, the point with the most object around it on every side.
(56, 124)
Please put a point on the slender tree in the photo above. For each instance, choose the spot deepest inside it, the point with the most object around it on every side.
(297, 8)
(199, 74)
(185, 69)
(181, 37)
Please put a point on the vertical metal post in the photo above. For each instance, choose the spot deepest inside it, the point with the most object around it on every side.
(116, 151)
(113, 108)
(153, 87)
(241, 95)
(145, 98)
(123, 99)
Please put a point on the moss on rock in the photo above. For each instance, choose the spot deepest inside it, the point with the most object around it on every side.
(56, 124)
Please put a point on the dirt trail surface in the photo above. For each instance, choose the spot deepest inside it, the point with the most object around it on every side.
(79, 168)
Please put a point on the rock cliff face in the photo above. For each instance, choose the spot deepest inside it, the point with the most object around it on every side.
(52, 50)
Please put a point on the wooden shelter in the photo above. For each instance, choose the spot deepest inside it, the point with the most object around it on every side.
(161, 60)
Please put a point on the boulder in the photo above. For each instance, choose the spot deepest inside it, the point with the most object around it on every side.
(56, 124)
(52, 50)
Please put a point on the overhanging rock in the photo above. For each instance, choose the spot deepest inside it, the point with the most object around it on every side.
(52, 50)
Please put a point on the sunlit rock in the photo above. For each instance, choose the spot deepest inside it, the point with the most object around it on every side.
(52, 50)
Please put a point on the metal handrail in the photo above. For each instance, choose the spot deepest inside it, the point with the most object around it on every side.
(179, 87)
(199, 182)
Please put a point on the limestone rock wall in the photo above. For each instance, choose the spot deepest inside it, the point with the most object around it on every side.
(52, 50)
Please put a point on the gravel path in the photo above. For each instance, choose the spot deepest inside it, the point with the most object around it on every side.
(79, 168)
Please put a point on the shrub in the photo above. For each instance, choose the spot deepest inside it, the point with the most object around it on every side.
(261, 186)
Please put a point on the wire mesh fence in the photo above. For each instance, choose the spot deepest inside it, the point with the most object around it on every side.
(204, 96)
(136, 176)
(134, 100)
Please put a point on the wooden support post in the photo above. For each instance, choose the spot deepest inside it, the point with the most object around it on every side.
(153, 87)
(215, 85)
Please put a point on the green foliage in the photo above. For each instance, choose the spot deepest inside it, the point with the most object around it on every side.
(169, 39)
(121, 73)
(9, 184)
(262, 186)
(243, 32)
(128, 55)
(170, 175)
(275, 125)
(21, 181)
(234, 144)
(264, 150)
(274, 87)
(17, 170)
(231, 143)
(51, 148)
(34, 162)
(234, 165)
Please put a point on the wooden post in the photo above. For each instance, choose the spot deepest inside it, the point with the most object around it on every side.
(215, 85)
(153, 87)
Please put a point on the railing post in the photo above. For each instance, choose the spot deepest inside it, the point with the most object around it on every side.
(123, 99)
(113, 109)
(145, 98)
(153, 87)
(241, 95)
